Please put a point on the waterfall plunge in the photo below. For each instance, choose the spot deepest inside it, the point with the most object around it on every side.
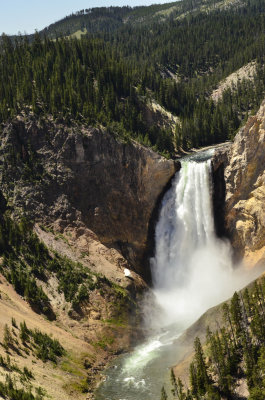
(192, 269)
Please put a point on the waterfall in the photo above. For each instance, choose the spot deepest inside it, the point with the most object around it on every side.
(192, 269)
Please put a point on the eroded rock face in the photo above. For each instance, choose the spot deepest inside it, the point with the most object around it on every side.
(244, 177)
(85, 178)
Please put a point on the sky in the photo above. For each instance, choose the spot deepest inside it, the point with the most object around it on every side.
(26, 16)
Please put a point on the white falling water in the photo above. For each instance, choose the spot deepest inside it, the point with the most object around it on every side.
(192, 269)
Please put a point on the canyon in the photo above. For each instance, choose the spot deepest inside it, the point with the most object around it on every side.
(95, 200)
(132, 172)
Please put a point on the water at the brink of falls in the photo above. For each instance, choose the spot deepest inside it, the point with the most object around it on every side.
(192, 270)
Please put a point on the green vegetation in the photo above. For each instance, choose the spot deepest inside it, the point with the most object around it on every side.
(46, 347)
(43, 346)
(102, 19)
(9, 390)
(27, 262)
(163, 394)
(14, 323)
(108, 76)
(8, 340)
(85, 80)
(75, 280)
(232, 354)
(23, 255)
(8, 365)
(104, 342)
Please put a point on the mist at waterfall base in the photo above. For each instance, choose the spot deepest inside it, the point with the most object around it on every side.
(192, 270)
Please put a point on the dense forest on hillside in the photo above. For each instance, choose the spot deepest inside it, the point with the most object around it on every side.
(109, 76)
(232, 355)
(106, 19)
(85, 80)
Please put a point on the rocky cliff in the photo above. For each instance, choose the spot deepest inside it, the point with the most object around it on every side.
(240, 183)
(92, 200)
(83, 178)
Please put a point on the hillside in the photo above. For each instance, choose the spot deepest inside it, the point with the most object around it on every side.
(110, 19)
(111, 78)
(52, 286)
(73, 251)
(97, 20)
(228, 357)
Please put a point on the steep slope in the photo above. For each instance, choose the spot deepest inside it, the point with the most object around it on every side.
(55, 380)
(247, 72)
(228, 358)
(85, 179)
(244, 179)
(84, 203)
(92, 316)
(112, 78)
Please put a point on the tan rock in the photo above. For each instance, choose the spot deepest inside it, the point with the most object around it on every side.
(244, 176)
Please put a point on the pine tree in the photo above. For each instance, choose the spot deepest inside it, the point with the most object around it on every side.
(8, 339)
(163, 394)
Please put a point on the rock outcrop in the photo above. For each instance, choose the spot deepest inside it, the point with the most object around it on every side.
(243, 166)
(85, 178)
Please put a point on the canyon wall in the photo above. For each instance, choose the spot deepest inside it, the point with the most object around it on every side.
(85, 178)
(239, 175)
